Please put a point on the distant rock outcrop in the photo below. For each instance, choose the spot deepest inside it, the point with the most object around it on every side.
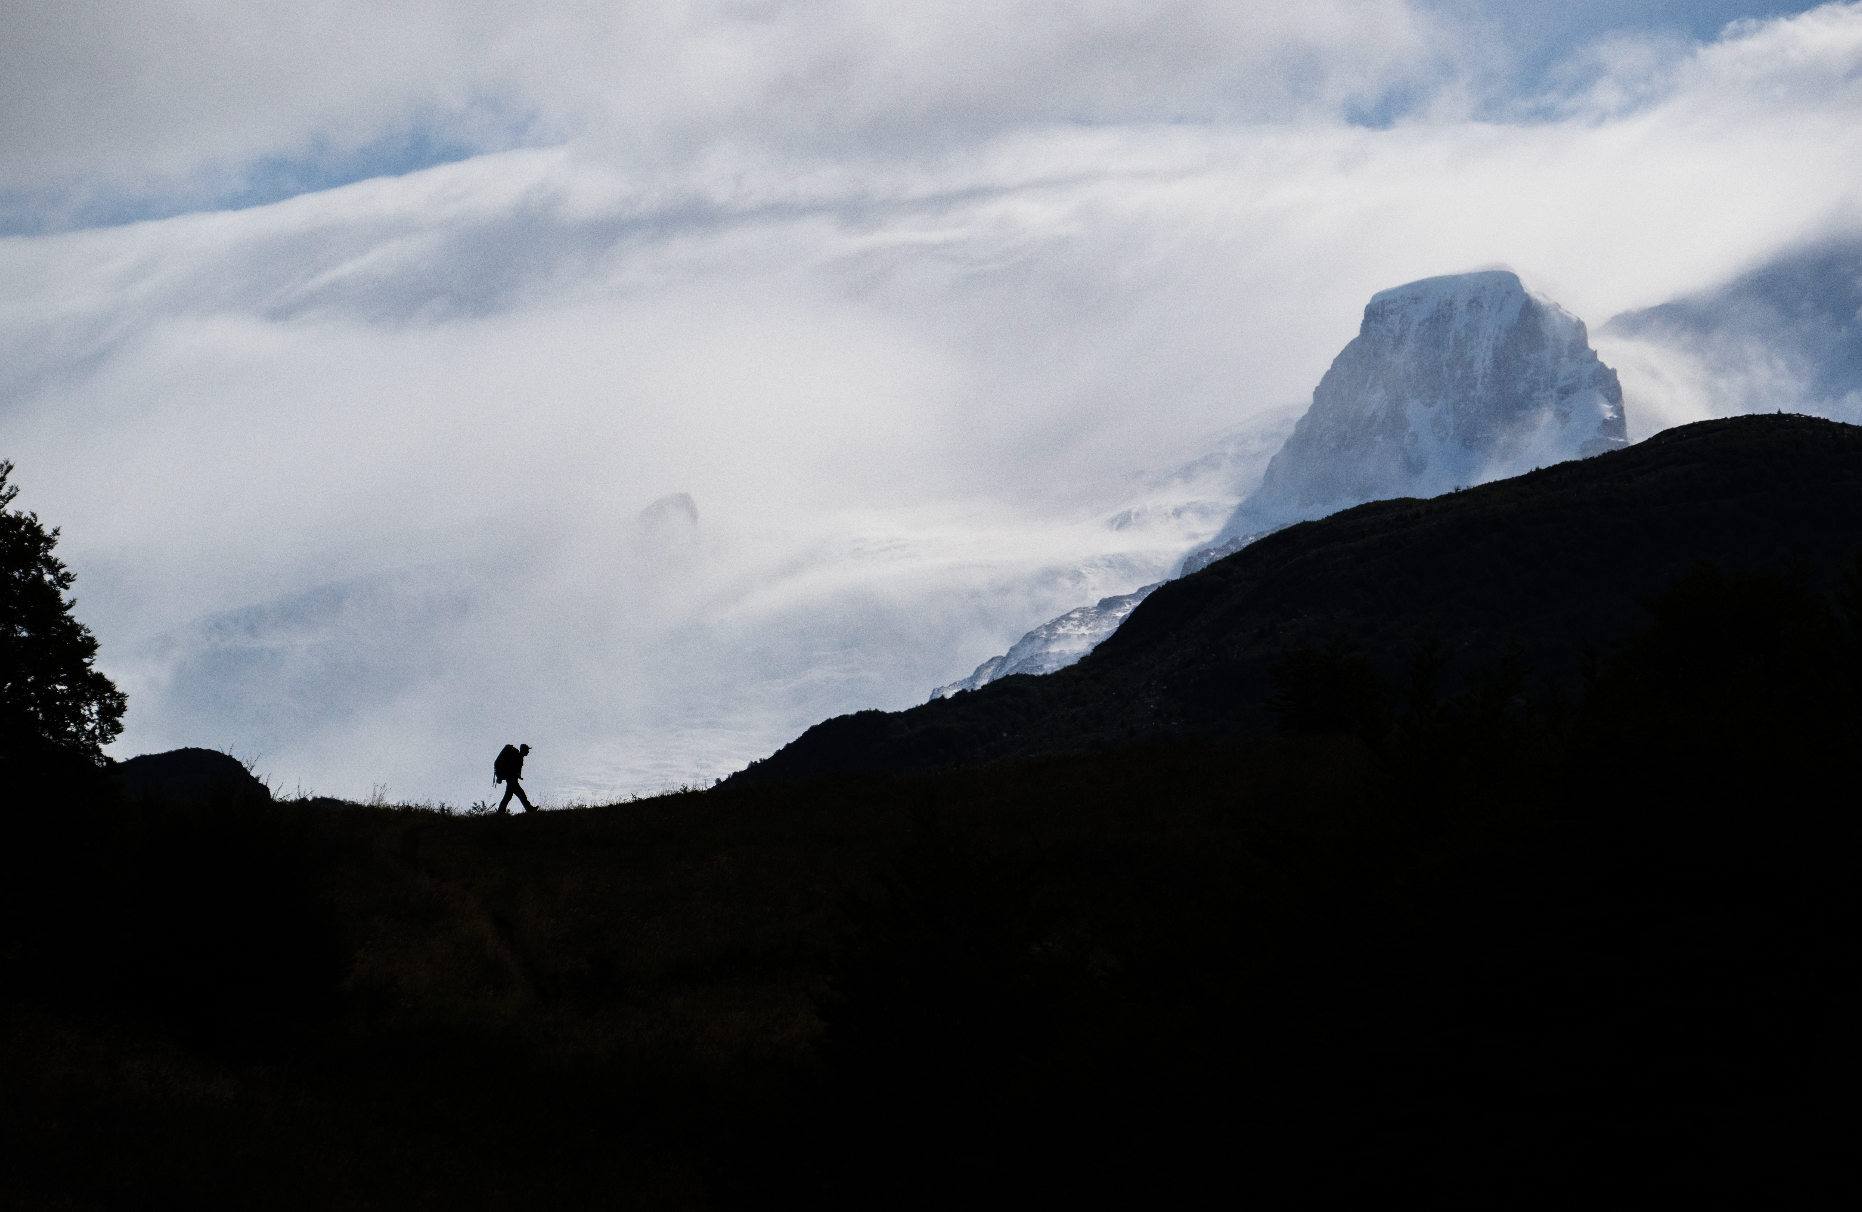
(1450, 381)
(673, 516)
(191, 774)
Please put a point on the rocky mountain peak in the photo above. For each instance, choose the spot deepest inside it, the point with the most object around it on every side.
(1450, 381)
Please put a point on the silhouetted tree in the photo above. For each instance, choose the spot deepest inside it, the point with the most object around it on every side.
(49, 691)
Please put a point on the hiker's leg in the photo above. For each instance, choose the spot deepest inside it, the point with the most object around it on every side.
(510, 789)
(518, 788)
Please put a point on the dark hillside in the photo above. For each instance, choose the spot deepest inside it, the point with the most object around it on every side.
(1549, 564)
(1136, 977)
(1482, 951)
(190, 774)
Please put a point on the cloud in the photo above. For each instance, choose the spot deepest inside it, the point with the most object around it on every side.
(175, 105)
(353, 482)
(1782, 337)
(160, 87)
(180, 106)
(176, 101)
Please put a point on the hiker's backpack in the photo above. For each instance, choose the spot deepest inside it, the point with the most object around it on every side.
(508, 763)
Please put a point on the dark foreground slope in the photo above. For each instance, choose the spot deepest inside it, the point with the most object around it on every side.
(1548, 564)
(1481, 954)
(1482, 965)
(1485, 953)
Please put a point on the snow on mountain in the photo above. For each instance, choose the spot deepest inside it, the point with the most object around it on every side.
(1194, 498)
(1055, 644)
(1450, 381)
(1181, 506)
(1061, 642)
(1202, 557)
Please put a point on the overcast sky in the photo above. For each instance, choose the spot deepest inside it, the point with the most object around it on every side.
(349, 342)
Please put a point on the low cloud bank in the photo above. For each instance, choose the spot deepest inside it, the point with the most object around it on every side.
(1781, 338)
(353, 483)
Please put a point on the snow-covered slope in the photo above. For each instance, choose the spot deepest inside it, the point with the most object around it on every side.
(1179, 507)
(1450, 381)
(1202, 557)
(1055, 644)
(1193, 499)
(1060, 642)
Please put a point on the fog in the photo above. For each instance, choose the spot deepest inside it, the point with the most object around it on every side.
(363, 483)
(1783, 337)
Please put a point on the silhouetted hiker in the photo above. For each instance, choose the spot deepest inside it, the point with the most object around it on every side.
(507, 770)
